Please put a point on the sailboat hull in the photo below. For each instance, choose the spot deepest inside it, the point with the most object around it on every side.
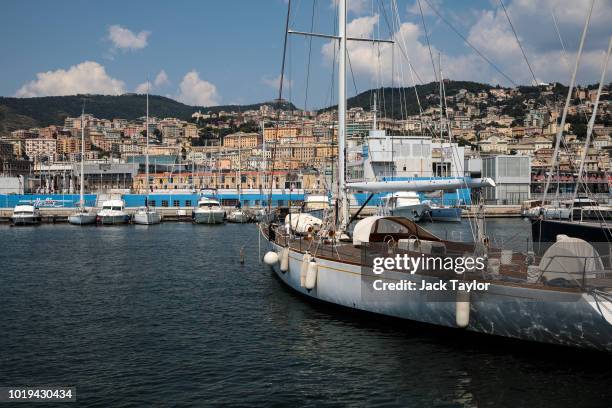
(238, 217)
(147, 218)
(445, 214)
(503, 310)
(82, 219)
(412, 212)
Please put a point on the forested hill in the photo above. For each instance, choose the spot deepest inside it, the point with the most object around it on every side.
(398, 102)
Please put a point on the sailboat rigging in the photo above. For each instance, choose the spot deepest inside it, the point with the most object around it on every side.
(147, 215)
(82, 216)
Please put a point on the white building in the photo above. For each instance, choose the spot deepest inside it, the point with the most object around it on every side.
(512, 176)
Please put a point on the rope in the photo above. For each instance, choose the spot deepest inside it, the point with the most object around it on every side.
(433, 64)
(484, 57)
(535, 81)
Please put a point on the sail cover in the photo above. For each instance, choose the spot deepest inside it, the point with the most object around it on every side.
(420, 185)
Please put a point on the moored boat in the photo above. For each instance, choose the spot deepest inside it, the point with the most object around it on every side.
(25, 215)
(146, 216)
(445, 214)
(82, 217)
(238, 216)
(208, 211)
(405, 204)
(113, 213)
(524, 299)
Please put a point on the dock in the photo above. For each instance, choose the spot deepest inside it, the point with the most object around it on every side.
(183, 214)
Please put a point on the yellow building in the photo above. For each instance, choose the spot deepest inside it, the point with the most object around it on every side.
(242, 140)
(272, 134)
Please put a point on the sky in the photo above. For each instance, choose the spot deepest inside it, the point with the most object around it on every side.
(206, 52)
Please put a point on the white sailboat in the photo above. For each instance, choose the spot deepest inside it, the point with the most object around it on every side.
(524, 298)
(82, 216)
(146, 215)
(238, 215)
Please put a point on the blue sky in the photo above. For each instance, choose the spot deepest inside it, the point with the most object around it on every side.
(213, 52)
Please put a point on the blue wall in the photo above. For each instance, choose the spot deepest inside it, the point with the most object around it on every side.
(46, 200)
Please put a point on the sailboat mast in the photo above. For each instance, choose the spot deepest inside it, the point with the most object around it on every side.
(344, 209)
(567, 103)
(147, 145)
(587, 142)
(239, 181)
(82, 187)
(441, 116)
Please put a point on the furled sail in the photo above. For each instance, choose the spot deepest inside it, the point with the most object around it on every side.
(420, 185)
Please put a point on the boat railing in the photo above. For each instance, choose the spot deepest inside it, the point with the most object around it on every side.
(594, 268)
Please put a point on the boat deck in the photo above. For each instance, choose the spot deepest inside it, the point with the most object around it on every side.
(513, 272)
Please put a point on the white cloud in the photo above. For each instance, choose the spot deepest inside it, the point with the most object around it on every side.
(143, 88)
(374, 61)
(196, 91)
(534, 24)
(492, 35)
(161, 79)
(413, 8)
(86, 77)
(354, 6)
(275, 82)
(123, 38)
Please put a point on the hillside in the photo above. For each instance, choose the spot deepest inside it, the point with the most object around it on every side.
(19, 113)
(394, 98)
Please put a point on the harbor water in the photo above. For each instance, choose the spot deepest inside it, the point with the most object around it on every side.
(167, 315)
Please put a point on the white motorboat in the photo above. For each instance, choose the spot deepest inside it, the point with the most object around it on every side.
(82, 216)
(209, 211)
(405, 204)
(25, 215)
(238, 216)
(146, 216)
(113, 213)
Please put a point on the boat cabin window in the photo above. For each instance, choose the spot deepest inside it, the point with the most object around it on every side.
(164, 203)
(23, 212)
(152, 203)
(187, 203)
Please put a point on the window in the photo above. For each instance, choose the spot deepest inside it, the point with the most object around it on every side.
(164, 203)
(176, 203)
(187, 203)
(152, 203)
(246, 202)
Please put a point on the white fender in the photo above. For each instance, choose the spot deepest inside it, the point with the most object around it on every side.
(311, 275)
(304, 270)
(462, 309)
(270, 258)
(284, 260)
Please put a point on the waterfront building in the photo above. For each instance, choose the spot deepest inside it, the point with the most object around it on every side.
(512, 176)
